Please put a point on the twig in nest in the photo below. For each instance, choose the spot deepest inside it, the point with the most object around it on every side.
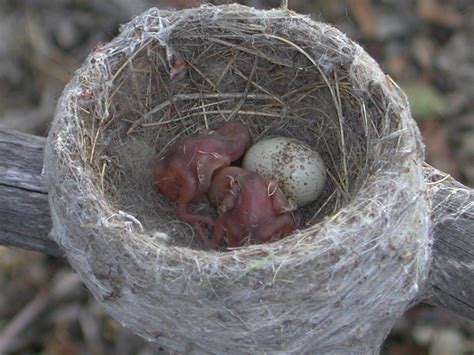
(247, 86)
(259, 87)
(204, 76)
(252, 52)
(226, 69)
(225, 96)
(247, 113)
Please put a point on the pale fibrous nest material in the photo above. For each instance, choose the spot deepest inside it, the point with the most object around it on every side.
(339, 282)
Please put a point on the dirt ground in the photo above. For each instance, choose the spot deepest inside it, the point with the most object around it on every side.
(425, 45)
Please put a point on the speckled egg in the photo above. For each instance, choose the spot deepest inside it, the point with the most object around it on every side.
(299, 168)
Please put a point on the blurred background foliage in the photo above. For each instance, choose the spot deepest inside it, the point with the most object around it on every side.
(427, 46)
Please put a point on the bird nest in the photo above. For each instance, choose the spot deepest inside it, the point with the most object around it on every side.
(339, 281)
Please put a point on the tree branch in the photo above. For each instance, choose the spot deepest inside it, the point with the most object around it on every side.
(452, 269)
(24, 210)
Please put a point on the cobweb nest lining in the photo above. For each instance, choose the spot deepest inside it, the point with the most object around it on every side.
(340, 281)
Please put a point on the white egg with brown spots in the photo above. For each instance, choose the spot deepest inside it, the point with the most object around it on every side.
(296, 165)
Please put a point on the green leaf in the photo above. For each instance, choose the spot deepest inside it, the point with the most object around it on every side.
(425, 101)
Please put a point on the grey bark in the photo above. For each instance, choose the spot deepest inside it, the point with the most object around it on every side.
(25, 220)
(24, 210)
(452, 269)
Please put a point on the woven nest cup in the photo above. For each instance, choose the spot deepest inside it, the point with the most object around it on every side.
(338, 282)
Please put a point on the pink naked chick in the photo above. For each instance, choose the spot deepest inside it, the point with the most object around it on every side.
(252, 209)
(184, 173)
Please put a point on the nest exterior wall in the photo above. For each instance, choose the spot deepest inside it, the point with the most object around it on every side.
(338, 284)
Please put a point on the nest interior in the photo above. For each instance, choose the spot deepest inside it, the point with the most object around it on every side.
(270, 76)
(363, 247)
